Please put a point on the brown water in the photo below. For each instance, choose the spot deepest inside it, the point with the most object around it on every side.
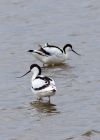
(74, 112)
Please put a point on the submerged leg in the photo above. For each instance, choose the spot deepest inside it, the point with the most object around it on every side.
(49, 99)
(44, 65)
(53, 65)
(39, 99)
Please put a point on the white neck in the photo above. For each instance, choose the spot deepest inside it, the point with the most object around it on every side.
(68, 49)
(35, 73)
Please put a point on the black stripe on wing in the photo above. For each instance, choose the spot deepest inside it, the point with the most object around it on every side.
(47, 82)
(40, 53)
(52, 46)
(44, 51)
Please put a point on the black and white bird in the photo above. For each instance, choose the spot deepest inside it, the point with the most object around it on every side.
(42, 86)
(51, 55)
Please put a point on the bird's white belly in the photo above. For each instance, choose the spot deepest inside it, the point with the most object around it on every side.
(53, 59)
(44, 93)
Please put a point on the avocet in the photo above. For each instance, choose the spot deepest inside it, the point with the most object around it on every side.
(42, 86)
(52, 55)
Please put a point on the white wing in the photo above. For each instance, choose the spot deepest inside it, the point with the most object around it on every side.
(53, 50)
(42, 81)
(38, 83)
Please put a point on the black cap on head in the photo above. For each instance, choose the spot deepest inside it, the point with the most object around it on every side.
(35, 65)
(31, 67)
(70, 46)
(67, 45)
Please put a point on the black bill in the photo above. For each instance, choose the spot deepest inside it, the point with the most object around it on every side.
(24, 74)
(75, 52)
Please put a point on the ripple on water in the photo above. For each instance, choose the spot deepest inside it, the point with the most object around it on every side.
(88, 135)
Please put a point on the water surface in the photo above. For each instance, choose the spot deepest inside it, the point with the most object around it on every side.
(74, 112)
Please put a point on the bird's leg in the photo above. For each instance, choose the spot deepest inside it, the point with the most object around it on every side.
(53, 65)
(39, 99)
(44, 65)
(49, 99)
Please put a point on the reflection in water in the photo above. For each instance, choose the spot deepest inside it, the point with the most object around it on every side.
(44, 107)
(62, 66)
(57, 70)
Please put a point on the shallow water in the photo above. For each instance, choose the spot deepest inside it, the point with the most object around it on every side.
(74, 112)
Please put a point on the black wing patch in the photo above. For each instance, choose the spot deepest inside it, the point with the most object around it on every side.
(47, 81)
(40, 53)
(44, 51)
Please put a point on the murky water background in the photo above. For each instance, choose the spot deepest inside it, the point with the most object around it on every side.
(74, 112)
